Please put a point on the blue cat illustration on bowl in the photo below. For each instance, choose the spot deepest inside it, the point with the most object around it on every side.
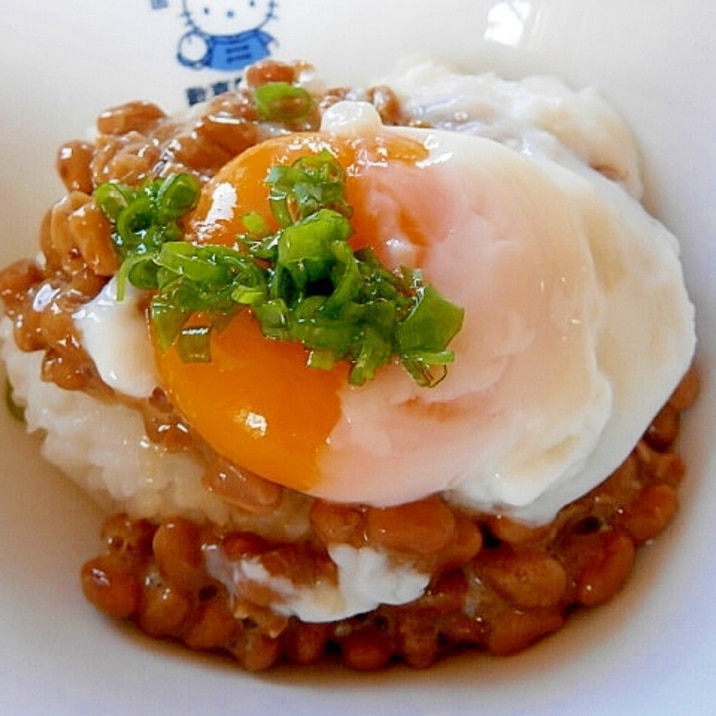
(225, 34)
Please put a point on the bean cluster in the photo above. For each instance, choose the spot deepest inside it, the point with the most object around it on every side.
(496, 584)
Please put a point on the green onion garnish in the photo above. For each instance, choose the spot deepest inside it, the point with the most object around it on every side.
(283, 102)
(303, 283)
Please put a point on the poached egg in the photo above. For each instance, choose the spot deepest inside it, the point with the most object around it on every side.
(577, 328)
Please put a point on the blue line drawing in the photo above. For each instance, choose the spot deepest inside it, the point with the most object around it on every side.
(225, 34)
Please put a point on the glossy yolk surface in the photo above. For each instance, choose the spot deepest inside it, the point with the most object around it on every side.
(256, 402)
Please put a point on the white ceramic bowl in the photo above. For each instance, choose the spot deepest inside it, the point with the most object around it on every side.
(653, 649)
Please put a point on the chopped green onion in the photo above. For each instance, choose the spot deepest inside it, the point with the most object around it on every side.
(311, 183)
(283, 102)
(146, 217)
(303, 283)
(192, 344)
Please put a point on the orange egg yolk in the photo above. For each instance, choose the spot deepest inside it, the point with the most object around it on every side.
(256, 402)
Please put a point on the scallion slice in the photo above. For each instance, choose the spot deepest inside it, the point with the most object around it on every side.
(303, 283)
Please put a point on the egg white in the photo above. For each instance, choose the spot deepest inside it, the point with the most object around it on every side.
(577, 329)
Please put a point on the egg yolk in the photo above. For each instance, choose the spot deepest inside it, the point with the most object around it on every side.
(256, 402)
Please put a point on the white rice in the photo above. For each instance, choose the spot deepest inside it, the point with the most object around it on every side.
(103, 446)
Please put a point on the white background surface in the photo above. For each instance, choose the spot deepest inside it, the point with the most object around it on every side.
(652, 650)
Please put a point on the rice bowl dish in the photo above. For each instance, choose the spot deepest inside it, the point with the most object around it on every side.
(267, 502)
(649, 647)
